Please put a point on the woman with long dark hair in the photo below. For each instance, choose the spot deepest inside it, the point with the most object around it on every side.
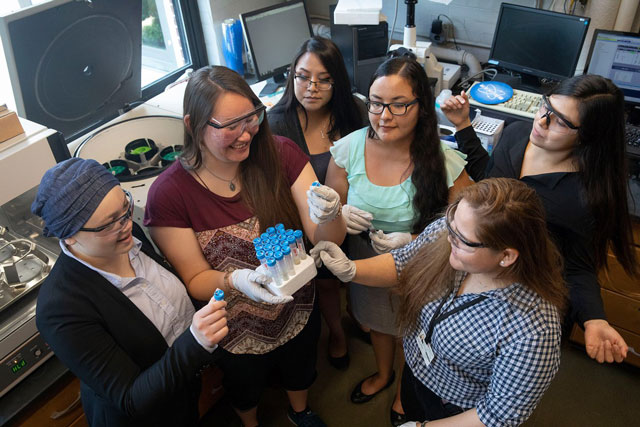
(574, 157)
(393, 176)
(235, 179)
(481, 300)
(316, 109)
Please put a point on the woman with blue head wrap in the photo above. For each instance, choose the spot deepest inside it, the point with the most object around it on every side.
(112, 313)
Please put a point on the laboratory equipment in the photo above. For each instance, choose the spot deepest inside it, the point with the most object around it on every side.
(488, 130)
(26, 257)
(300, 244)
(421, 49)
(363, 48)
(288, 273)
(232, 45)
(273, 35)
(536, 43)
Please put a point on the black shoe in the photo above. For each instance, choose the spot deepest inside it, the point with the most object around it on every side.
(306, 418)
(341, 362)
(397, 419)
(357, 396)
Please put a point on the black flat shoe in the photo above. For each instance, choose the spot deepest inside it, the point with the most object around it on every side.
(341, 362)
(357, 396)
(396, 418)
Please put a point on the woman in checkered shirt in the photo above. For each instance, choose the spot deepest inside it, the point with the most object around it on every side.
(482, 296)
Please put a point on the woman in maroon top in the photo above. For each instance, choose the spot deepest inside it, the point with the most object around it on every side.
(235, 179)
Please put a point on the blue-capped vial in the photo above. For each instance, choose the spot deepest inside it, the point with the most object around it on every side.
(273, 271)
(262, 258)
(288, 260)
(281, 266)
(264, 237)
(279, 227)
(257, 241)
(295, 253)
(282, 237)
(268, 254)
(218, 295)
(300, 243)
(271, 231)
(316, 184)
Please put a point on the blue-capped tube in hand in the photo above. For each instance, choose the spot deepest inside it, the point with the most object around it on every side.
(218, 295)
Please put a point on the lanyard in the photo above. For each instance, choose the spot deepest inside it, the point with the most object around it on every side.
(437, 317)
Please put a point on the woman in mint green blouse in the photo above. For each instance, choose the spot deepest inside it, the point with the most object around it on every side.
(393, 177)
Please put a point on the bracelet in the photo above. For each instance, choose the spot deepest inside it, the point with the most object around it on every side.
(225, 280)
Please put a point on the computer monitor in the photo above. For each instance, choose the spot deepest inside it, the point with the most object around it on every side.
(616, 56)
(274, 34)
(537, 43)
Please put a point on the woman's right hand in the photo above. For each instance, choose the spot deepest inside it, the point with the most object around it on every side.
(456, 109)
(209, 324)
(250, 282)
(330, 254)
(357, 220)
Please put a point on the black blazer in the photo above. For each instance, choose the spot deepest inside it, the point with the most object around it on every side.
(130, 377)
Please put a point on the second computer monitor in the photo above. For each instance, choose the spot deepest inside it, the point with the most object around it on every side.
(616, 56)
(537, 42)
(274, 34)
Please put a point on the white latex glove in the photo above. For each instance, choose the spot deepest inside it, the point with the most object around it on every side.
(357, 220)
(410, 424)
(324, 203)
(250, 283)
(330, 254)
(383, 243)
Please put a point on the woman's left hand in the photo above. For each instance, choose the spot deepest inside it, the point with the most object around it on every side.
(604, 343)
(324, 203)
(383, 243)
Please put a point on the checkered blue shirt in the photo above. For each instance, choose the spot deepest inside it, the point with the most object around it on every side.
(498, 356)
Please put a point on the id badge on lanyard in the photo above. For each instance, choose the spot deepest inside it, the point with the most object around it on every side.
(424, 339)
(425, 348)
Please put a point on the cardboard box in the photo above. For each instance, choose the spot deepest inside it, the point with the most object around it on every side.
(10, 126)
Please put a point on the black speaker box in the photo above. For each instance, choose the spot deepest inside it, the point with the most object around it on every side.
(76, 62)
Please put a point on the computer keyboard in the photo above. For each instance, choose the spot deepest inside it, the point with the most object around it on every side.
(632, 138)
(521, 104)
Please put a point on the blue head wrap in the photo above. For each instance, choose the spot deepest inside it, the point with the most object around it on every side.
(69, 194)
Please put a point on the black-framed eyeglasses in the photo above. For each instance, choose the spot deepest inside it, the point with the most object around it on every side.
(457, 239)
(545, 113)
(117, 224)
(395, 108)
(321, 84)
(255, 119)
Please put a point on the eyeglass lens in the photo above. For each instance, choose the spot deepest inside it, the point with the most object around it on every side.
(397, 109)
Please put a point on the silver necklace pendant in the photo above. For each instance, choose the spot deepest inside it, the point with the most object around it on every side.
(232, 186)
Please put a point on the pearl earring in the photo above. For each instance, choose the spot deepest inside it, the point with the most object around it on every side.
(502, 262)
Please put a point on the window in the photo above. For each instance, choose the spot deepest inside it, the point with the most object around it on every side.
(172, 41)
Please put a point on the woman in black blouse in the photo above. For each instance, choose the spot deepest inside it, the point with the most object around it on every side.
(574, 157)
(316, 109)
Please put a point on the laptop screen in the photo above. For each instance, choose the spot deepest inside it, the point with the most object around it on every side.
(616, 56)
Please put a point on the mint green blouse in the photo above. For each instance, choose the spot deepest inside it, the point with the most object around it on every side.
(392, 207)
